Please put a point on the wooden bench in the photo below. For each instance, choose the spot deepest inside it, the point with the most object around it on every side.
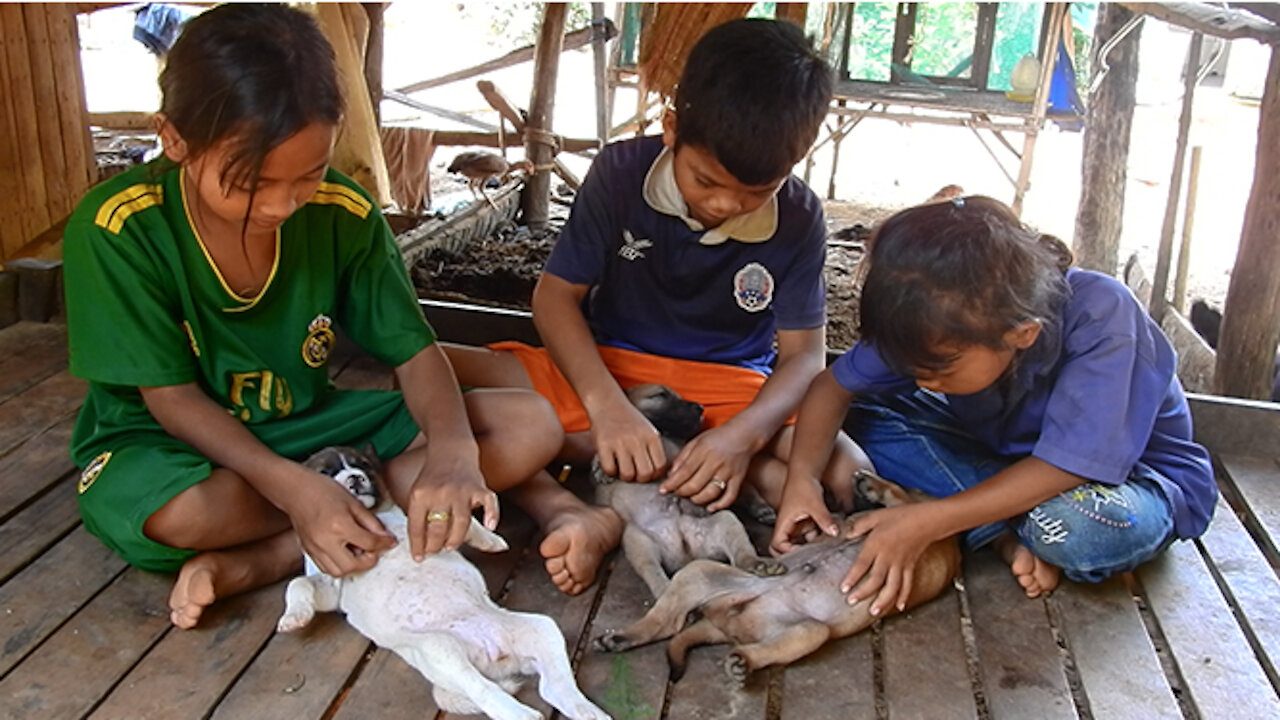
(1193, 634)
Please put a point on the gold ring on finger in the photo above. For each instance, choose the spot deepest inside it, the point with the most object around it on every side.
(438, 516)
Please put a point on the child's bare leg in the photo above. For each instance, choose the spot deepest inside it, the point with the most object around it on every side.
(247, 543)
(482, 367)
(1034, 575)
(222, 573)
(768, 470)
(578, 535)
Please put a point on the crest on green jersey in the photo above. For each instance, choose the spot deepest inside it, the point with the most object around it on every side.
(319, 342)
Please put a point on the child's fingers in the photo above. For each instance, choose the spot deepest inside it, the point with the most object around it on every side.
(860, 568)
(908, 578)
(888, 593)
(458, 526)
(491, 510)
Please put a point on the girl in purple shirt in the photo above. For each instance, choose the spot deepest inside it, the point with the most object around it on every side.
(1038, 403)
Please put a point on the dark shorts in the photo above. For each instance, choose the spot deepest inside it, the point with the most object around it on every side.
(134, 474)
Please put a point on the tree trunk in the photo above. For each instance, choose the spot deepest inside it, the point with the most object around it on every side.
(537, 146)
(1251, 318)
(1106, 146)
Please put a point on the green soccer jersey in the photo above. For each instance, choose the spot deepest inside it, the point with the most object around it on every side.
(147, 307)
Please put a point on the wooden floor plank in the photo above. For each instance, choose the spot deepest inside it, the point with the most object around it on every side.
(928, 637)
(1252, 585)
(34, 465)
(388, 690)
(29, 353)
(38, 408)
(706, 692)
(1256, 481)
(629, 685)
(299, 675)
(186, 673)
(1021, 672)
(808, 692)
(67, 675)
(1221, 673)
(43, 595)
(37, 527)
(1115, 658)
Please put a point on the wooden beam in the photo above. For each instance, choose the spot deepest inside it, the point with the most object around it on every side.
(546, 67)
(600, 62)
(123, 120)
(517, 117)
(482, 139)
(572, 41)
(373, 50)
(793, 12)
(1057, 12)
(1218, 22)
(1251, 317)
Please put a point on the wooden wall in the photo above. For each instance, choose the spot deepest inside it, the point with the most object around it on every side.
(46, 153)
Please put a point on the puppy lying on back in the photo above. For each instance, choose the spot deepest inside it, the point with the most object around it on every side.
(665, 532)
(776, 620)
(437, 615)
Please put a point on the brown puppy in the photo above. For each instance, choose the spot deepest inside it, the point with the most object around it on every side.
(772, 620)
(666, 532)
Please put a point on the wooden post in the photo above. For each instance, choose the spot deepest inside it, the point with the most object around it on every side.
(794, 12)
(599, 57)
(538, 147)
(1188, 221)
(1108, 124)
(1160, 283)
(1251, 318)
(373, 57)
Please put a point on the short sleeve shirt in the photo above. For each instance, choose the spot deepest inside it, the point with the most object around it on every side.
(1094, 399)
(147, 307)
(658, 286)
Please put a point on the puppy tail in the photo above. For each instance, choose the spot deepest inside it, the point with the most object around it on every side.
(484, 539)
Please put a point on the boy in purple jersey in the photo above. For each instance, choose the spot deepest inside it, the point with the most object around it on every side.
(693, 260)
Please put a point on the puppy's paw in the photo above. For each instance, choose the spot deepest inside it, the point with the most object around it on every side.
(737, 669)
(612, 641)
(767, 567)
(295, 619)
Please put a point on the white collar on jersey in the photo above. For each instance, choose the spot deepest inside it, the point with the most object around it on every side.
(662, 194)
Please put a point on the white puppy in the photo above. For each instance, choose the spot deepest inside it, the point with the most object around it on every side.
(437, 615)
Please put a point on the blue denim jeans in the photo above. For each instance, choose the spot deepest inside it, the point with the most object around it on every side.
(1091, 531)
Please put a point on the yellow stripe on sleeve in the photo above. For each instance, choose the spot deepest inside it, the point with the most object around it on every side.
(335, 194)
(120, 206)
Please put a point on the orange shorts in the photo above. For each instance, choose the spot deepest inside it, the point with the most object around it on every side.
(722, 390)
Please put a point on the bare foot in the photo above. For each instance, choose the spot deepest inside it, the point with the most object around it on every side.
(577, 541)
(220, 573)
(1034, 575)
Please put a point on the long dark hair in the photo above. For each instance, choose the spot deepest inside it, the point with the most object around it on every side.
(254, 72)
(958, 272)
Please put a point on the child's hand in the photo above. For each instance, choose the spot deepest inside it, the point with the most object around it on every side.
(628, 445)
(711, 468)
(894, 540)
(440, 505)
(339, 533)
(802, 514)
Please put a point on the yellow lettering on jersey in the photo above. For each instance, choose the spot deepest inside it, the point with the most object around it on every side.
(284, 398)
(241, 382)
(335, 194)
(120, 206)
(273, 393)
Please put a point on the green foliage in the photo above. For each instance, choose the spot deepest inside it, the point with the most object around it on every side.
(871, 42)
(515, 24)
(1017, 33)
(763, 10)
(944, 37)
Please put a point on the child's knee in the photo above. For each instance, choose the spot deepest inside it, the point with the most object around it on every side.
(1096, 530)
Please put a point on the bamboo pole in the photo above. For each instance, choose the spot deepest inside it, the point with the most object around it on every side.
(1160, 282)
(537, 146)
(600, 60)
(1057, 13)
(1188, 220)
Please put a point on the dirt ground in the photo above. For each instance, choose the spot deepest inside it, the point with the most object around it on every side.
(502, 270)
